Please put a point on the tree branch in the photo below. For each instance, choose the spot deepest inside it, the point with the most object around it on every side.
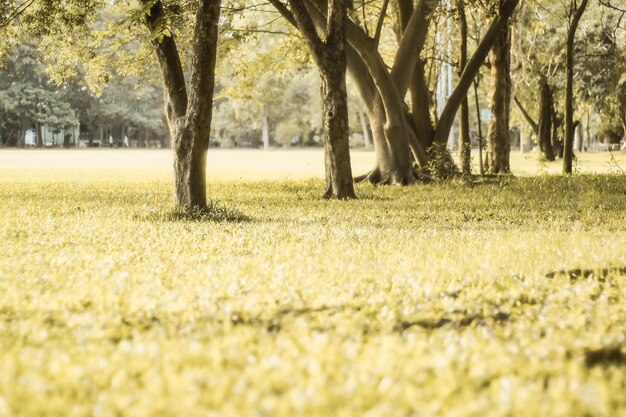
(526, 115)
(284, 11)
(473, 66)
(15, 13)
(307, 27)
(413, 39)
(170, 65)
(379, 22)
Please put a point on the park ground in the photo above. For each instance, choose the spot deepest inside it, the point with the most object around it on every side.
(428, 300)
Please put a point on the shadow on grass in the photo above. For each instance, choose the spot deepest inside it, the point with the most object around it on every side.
(215, 212)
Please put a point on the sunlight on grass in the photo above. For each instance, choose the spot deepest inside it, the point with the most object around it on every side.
(429, 300)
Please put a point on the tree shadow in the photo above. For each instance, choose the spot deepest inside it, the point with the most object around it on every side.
(215, 212)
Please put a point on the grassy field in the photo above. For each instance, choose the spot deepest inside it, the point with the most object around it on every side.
(429, 300)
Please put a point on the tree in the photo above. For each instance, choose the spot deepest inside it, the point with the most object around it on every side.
(329, 53)
(28, 100)
(465, 145)
(188, 107)
(574, 14)
(498, 141)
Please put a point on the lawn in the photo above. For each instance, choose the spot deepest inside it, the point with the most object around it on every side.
(429, 300)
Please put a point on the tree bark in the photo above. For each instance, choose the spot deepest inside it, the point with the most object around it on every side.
(329, 54)
(544, 135)
(557, 142)
(339, 183)
(479, 122)
(189, 115)
(465, 145)
(568, 144)
(498, 141)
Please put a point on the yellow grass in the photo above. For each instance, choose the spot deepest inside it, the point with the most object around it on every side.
(429, 300)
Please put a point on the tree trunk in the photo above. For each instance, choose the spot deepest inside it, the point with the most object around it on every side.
(332, 65)
(39, 133)
(557, 143)
(367, 137)
(329, 53)
(339, 183)
(265, 132)
(498, 141)
(393, 163)
(479, 123)
(189, 115)
(568, 144)
(420, 107)
(465, 145)
(3, 138)
(544, 135)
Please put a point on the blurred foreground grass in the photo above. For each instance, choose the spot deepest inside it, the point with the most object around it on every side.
(429, 300)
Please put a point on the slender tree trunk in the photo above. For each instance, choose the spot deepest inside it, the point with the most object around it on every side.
(39, 132)
(544, 135)
(465, 145)
(568, 144)
(367, 137)
(480, 129)
(3, 138)
(578, 136)
(498, 140)
(265, 132)
(557, 143)
(21, 139)
(420, 107)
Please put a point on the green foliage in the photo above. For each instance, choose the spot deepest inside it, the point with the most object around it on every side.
(26, 95)
(418, 300)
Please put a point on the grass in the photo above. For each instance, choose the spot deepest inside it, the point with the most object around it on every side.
(430, 300)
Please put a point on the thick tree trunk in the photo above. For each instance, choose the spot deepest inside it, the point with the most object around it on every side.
(393, 163)
(339, 183)
(332, 64)
(568, 144)
(189, 115)
(465, 145)
(498, 141)
(329, 53)
(190, 147)
(544, 135)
